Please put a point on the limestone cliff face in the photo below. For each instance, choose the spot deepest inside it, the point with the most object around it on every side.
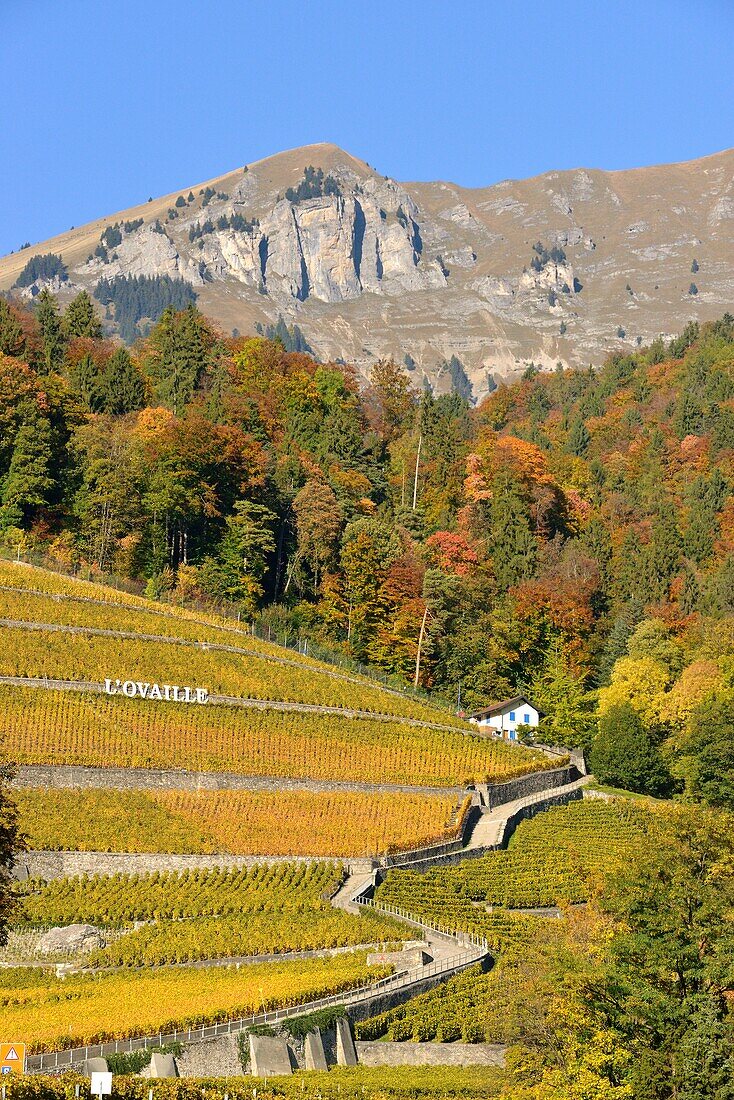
(332, 248)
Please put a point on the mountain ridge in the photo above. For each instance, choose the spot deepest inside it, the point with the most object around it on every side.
(563, 266)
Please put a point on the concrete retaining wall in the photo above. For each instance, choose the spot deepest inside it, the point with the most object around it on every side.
(430, 1054)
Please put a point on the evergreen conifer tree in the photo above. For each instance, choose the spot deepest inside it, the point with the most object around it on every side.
(49, 322)
(664, 552)
(579, 438)
(80, 318)
(698, 541)
(180, 356)
(28, 480)
(514, 547)
(122, 387)
(86, 382)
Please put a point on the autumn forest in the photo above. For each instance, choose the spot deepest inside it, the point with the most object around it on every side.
(571, 538)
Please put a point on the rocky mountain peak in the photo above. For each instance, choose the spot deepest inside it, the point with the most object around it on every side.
(567, 266)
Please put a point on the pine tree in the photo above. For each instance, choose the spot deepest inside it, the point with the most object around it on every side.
(236, 573)
(513, 545)
(122, 386)
(80, 318)
(579, 438)
(85, 381)
(664, 552)
(49, 322)
(616, 643)
(28, 481)
(180, 356)
(698, 541)
(628, 572)
(691, 593)
(459, 380)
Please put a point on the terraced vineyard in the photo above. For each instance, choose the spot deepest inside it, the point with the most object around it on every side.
(263, 670)
(449, 1013)
(553, 858)
(201, 915)
(41, 726)
(114, 900)
(63, 655)
(149, 922)
(54, 1014)
(236, 822)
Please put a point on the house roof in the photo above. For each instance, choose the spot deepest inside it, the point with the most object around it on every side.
(506, 704)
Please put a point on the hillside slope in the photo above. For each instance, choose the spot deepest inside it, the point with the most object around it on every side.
(370, 267)
(77, 664)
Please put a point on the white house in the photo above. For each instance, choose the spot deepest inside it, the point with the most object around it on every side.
(508, 717)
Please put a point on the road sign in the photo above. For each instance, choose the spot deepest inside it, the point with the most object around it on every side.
(12, 1058)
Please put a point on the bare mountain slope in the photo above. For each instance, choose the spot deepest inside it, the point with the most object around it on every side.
(565, 266)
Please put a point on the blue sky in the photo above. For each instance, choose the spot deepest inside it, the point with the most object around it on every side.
(104, 104)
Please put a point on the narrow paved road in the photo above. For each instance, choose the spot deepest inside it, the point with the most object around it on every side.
(490, 827)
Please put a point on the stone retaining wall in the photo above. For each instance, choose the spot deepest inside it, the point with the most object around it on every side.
(51, 865)
(140, 779)
(497, 794)
(430, 1054)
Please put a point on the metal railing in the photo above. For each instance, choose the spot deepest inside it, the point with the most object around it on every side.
(478, 948)
(468, 939)
(57, 1059)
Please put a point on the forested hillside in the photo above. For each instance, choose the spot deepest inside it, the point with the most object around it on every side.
(572, 535)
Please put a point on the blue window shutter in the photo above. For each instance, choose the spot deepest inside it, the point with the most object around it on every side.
(512, 716)
(526, 719)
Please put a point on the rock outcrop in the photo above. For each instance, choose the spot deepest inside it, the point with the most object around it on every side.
(72, 939)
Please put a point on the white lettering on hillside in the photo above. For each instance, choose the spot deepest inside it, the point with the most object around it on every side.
(171, 693)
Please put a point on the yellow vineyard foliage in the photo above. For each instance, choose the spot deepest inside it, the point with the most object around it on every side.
(282, 823)
(28, 594)
(339, 1083)
(52, 1014)
(41, 726)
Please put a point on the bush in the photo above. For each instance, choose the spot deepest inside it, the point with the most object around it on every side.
(134, 1060)
(299, 1026)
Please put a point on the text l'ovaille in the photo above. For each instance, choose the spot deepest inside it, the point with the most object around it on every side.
(169, 693)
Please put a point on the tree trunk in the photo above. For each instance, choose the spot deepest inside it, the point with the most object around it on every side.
(420, 647)
(417, 466)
